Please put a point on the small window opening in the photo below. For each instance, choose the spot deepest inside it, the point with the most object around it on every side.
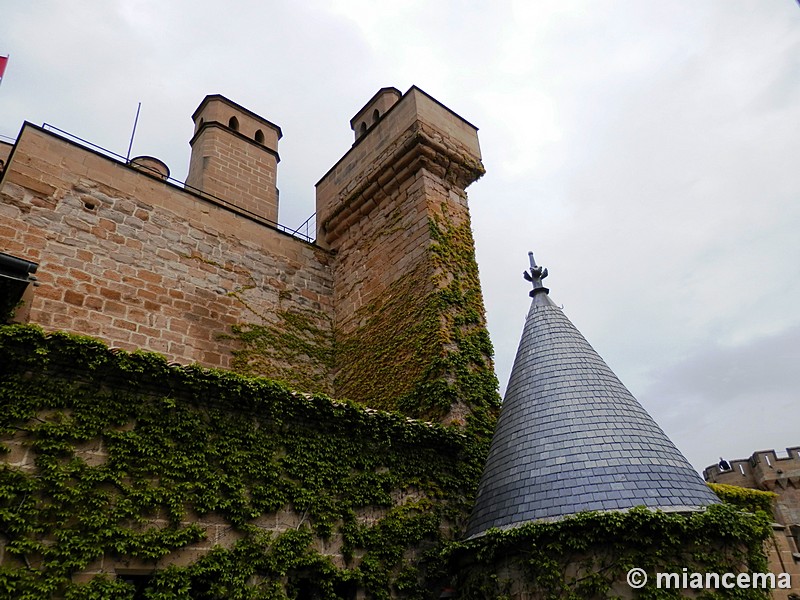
(260, 136)
(347, 590)
(139, 583)
(376, 114)
(233, 123)
(363, 128)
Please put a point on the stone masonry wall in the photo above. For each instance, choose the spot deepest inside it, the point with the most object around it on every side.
(227, 165)
(143, 264)
(379, 209)
(115, 463)
(764, 470)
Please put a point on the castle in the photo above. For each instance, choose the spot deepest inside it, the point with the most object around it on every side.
(767, 471)
(318, 412)
(203, 274)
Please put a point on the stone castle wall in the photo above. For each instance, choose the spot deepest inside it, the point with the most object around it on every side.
(383, 209)
(766, 471)
(144, 264)
(200, 274)
(118, 464)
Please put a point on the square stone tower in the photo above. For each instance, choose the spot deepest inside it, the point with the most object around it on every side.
(407, 304)
(235, 157)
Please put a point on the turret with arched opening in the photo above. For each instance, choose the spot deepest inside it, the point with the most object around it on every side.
(372, 112)
(234, 152)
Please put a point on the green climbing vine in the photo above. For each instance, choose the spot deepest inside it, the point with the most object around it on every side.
(588, 556)
(115, 456)
(423, 348)
(277, 349)
(745, 498)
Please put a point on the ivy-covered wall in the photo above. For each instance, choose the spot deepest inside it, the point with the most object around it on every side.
(223, 486)
(588, 556)
(423, 348)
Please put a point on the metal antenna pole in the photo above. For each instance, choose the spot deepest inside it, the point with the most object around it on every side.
(133, 133)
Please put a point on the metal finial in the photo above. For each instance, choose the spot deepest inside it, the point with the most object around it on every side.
(535, 276)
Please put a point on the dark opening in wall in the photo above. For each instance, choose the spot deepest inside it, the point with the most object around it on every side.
(376, 114)
(260, 136)
(233, 123)
(15, 276)
(139, 583)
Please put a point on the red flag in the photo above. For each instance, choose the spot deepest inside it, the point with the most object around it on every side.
(3, 63)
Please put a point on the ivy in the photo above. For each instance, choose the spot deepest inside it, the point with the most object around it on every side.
(275, 349)
(744, 498)
(588, 555)
(119, 456)
(423, 347)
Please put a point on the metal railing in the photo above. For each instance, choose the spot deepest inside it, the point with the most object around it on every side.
(306, 231)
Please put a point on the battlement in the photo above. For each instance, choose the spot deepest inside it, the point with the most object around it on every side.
(763, 470)
(767, 471)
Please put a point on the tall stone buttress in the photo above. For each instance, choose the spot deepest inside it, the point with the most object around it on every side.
(406, 299)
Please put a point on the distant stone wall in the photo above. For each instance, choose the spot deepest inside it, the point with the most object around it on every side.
(146, 265)
(764, 470)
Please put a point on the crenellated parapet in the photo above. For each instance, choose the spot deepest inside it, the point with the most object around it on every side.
(763, 470)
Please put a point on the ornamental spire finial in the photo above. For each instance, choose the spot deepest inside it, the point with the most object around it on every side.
(535, 276)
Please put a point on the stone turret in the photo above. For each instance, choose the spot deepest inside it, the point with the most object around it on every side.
(572, 438)
(373, 110)
(235, 157)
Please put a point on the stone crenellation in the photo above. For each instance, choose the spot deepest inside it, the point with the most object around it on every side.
(766, 470)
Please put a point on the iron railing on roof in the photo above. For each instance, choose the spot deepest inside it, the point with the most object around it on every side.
(306, 231)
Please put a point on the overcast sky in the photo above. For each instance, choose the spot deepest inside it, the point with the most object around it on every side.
(646, 151)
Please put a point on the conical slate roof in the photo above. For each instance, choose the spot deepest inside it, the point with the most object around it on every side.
(572, 438)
